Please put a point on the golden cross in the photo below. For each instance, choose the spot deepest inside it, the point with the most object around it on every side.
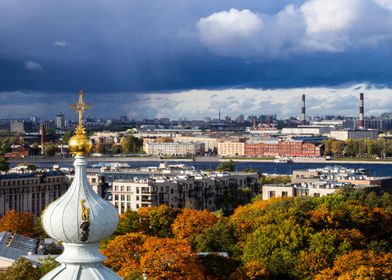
(80, 107)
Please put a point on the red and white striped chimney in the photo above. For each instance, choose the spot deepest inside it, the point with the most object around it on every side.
(361, 111)
(303, 116)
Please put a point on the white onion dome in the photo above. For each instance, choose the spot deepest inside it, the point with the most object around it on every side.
(80, 215)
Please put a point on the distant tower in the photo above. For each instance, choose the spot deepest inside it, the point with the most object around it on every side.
(219, 114)
(60, 121)
(254, 122)
(303, 116)
(268, 121)
(361, 111)
(42, 133)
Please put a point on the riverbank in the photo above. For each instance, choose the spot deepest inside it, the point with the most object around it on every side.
(55, 160)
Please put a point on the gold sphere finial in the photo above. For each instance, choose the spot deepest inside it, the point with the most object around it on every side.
(80, 144)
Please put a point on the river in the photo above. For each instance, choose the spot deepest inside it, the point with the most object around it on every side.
(374, 169)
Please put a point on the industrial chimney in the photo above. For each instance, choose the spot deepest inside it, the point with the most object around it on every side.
(254, 122)
(361, 112)
(303, 116)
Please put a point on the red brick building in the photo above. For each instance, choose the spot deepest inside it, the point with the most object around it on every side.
(284, 149)
(19, 152)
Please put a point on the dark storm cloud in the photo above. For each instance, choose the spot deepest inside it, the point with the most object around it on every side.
(51, 47)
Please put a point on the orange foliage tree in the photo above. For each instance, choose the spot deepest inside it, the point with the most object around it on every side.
(190, 223)
(360, 265)
(124, 252)
(19, 222)
(169, 258)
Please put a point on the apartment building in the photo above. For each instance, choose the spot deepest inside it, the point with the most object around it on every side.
(343, 135)
(173, 149)
(192, 190)
(231, 149)
(210, 144)
(31, 192)
(325, 181)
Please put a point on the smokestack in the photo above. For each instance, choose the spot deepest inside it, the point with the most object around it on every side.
(361, 111)
(42, 132)
(219, 115)
(254, 121)
(303, 116)
(268, 121)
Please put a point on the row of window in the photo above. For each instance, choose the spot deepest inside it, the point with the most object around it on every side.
(5, 183)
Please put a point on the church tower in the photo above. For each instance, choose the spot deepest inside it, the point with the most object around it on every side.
(80, 218)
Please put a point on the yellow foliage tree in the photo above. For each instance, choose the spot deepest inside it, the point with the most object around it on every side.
(359, 265)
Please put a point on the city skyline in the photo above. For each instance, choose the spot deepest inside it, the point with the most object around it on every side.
(138, 56)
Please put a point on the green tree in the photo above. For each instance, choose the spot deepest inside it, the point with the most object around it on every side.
(66, 136)
(49, 149)
(5, 145)
(4, 165)
(129, 222)
(48, 265)
(157, 221)
(349, 149)
(226, 166)
(21, 269)
(39, 231)
(131, 144)
(116, 149)
(35, 149)
(276, 246)
(218, 238)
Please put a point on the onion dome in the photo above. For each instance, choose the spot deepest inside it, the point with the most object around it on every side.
(80, 215)
(80, 218)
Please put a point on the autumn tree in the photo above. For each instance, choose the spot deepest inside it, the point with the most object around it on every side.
(157, 221)
(168, 258)
(18, 222)
(124, 252)
(337, 147)
(190, 223)
(99, 147)
(131, 144)
(360, 265)
(21, 269)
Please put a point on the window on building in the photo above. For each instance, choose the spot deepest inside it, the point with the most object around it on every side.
(285, 194)
(316, 195)
(272, 194)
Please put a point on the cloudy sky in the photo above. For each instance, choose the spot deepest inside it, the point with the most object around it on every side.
(177, 58)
